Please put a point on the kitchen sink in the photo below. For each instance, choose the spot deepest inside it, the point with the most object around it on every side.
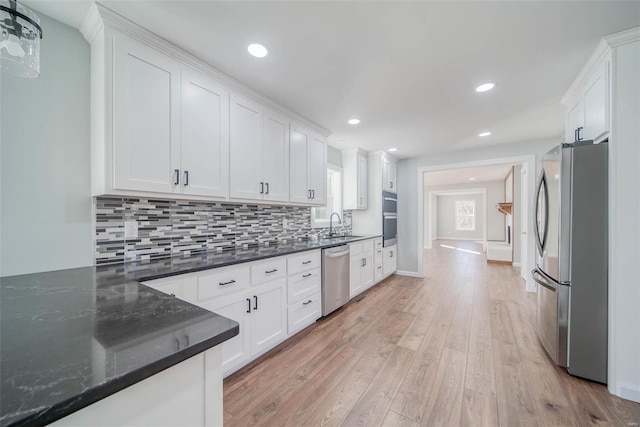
(341, 238)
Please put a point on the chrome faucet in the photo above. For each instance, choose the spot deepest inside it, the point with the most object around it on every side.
(331, 233)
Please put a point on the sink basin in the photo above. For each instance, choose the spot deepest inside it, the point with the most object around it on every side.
(341, 238)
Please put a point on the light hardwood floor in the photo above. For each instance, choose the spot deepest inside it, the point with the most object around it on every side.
(455, 348)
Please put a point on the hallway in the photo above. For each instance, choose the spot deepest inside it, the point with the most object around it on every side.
(455, 348)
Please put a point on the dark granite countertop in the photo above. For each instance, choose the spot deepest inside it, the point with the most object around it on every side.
(61, 332)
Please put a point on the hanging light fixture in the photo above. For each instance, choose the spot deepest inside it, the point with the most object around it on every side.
(20, 40)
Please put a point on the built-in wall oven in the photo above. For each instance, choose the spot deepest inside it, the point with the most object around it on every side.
(389, 218)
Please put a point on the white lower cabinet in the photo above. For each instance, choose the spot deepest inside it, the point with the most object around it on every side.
(377, 260)
(304, 285)
(361, 272)
(304, 312)
(389, 262)
(268, 316)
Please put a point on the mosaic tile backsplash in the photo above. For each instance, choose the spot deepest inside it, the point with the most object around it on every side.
(175, 227)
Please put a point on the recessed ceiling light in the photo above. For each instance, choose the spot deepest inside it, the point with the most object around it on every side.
(257, 50)
(354, 121)
(391, 150)
(485, 87)
(472, 179)
(483, 134)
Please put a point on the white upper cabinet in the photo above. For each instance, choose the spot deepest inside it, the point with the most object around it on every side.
(354, 168)
(308, 167)
(165, 124)
(588, 110)
(259, 152)
(146, 132)
(389, 174)
(204, 147)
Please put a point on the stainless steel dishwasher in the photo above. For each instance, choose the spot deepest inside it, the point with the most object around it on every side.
(335, 278)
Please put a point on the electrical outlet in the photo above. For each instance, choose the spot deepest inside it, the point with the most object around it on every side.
(131, 229)
(285, 223)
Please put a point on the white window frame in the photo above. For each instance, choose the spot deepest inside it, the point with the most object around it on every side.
(472, 216)
(324, 222)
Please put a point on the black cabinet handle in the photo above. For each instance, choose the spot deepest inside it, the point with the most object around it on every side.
(360, 200)
(176, 344)
(227, 283)
(262, 188)
(177, 171)
(579, 132)
(391, 256)
(186, 340)
(313, 194)
(186, 178)
(308, 302)
(255, 299)
(309, 194)
(306, 275)
(271, 271)
(365, 262)
(306, 262)
(248, 305)
(267, 184)
(575, 135)
(362, 262)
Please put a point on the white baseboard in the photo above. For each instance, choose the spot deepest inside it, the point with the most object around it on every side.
(629, 392)
(409, 273)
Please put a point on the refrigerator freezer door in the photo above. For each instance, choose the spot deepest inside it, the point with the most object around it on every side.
(552, 317)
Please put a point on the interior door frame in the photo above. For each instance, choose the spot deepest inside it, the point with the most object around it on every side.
(528, 160)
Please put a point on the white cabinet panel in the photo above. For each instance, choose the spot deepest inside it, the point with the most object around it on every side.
(306, 261)
(366, 271)
(303, 284)
(276, 156)
(146, 118)
(304, 313)
(355, 181)
(308, 167)
(389, 262)
(244, 149)
(238, 349)
(204, 156)
(355, 284)
(595, 106)
(265, 271)
(268, 317)
(299, 192)
(317, 170)
(362, 181)
(222, 281)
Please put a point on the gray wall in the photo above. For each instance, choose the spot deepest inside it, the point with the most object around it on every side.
(447, 217)
(409, 179)
(44, 148)
(495, 220)
(334, 156)
(517, 213)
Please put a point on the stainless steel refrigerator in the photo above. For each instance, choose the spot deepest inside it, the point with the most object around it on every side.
(571, 232)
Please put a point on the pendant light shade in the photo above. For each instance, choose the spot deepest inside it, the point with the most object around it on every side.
(20, 40)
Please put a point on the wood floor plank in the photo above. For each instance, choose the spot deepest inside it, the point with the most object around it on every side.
(394, 419)
(382, 359)
(444, 404)
(374, 403)
(478, 409)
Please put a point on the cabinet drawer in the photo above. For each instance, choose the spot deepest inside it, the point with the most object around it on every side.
(378, 273)
(303, 262)
(303, 284)
(304, 313)
(377, 243)
(377, 257)
(367, 246)
(222, 281)
(266, 271)
(355, 249)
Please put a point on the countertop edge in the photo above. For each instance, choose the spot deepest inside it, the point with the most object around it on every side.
(100, 392)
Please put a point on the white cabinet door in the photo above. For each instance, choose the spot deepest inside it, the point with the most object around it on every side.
(575, 120)
(275, 149)
(595, 106)
(268, 316)
(299, 192)
(317, 169)
(367, 271)
(245, 156)
(362, 181)
(355, 284)
(389, 261)
(393, 177)
(235, 307)
(204, 149)
(386, 175)
(147, 118)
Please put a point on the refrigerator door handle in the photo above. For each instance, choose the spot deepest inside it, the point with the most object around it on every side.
(541, 238)
(544, 283)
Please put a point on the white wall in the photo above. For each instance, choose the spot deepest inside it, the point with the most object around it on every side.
(334, 156)
(446, 227)
(410, 177)
(45, 203)
(516, 213)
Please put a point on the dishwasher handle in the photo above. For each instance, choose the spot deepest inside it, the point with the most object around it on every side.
(336, 254)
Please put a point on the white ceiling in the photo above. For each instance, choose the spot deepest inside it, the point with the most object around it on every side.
(407, 69)
(464, 175)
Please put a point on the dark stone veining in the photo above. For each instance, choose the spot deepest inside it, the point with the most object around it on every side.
(61, 332)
